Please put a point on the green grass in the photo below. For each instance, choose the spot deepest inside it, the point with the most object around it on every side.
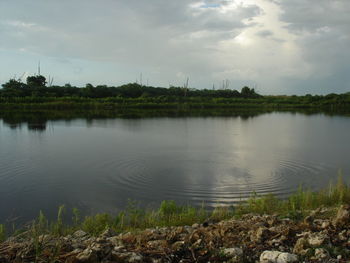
(176, 102)
(169, 213)
(2, 233)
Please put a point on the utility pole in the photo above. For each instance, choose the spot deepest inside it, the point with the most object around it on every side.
(39, 68)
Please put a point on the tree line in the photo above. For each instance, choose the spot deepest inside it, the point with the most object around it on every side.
(37, 86)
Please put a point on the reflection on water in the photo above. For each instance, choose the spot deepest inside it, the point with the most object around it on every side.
(96, 161)
(37, 120)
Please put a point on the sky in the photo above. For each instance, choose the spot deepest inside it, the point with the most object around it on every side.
(274, 46)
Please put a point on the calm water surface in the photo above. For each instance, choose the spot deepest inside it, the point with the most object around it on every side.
(97, 165)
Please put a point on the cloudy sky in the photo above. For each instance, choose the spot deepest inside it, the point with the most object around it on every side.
(276, 46)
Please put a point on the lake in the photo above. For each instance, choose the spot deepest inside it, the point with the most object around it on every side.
(99, 163)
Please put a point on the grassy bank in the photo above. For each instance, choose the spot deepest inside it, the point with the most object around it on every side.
(169, 213)
(173, 102)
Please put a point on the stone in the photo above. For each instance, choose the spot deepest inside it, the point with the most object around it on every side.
(116, 241)
(301, 246)
(287, 258)
(157, 244)
(119, 248)
(87, 256)
(80, 234)
(197, 244)
(277, 257)
(195, 225)
(343, 235)
(325, 224)
(308, 220)
(321, 254)
(317, 239)
(260, 234)
(234, 253)
(178, 245)
(130, 257)
(109, 233)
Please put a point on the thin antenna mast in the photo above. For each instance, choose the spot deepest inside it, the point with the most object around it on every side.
(39, 68)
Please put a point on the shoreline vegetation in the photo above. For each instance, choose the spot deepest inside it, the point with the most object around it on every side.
(306, 227)
(36, 93)
(134, 218)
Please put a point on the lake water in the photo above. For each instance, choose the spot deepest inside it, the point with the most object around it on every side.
(97, 164)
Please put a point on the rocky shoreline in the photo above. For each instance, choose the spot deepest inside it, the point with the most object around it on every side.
(320, 237)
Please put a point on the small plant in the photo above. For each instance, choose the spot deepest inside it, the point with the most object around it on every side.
(76, 216)
(58, 227)
(168, 208)
(2, 233)
(42, 223)
(97, 224)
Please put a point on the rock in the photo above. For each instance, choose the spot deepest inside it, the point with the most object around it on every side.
(342, 217)
(131, 257)
(109, 233)
(234, 253)
(119, 248)
(195, 225)
(277, 242)
(80, 234)
(157, 244)
(260, 235)
(325, 224)
(197, 244)
(87, 256)
(301, 246)
(321, 254)
(116, 241)
(44, 238)
(317, 239)
(287, 258)
(277, 257)
(178, 245)
(343, 235)
(309, 220)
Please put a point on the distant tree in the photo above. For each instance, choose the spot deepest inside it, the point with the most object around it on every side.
(36, 81)
(248, 92)
(12, 84)
(14, 88)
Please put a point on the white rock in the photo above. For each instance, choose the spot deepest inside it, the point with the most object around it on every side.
(135, 257)
(277, 257)
(286, 258)
(317, 239)
(233, 252)
(269, 256)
